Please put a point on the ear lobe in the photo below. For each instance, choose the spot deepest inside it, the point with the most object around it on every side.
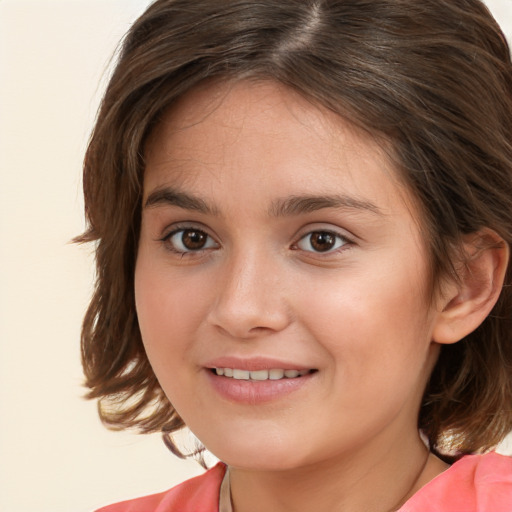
(465, 304)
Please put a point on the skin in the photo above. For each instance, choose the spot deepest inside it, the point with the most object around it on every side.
(359, 314)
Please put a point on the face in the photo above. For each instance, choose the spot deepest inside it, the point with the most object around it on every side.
(281, 280)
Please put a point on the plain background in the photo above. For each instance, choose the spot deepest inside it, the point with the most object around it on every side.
(55, 456)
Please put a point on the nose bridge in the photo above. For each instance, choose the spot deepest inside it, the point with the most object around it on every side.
(250, 299)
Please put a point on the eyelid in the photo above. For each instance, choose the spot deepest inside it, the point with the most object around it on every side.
(174, 227)
(187, 226)
(348, 239)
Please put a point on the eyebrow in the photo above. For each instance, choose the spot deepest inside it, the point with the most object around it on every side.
(297, 205)
(289, 206)
(169, 196)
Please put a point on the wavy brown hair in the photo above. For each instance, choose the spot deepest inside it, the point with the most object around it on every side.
(431, 77)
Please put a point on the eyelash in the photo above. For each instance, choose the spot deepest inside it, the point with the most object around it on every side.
(340, 242)
(167, 240)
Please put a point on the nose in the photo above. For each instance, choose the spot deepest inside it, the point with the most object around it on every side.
(251, 299)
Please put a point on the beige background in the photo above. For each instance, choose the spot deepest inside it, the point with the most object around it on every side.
(54, 454)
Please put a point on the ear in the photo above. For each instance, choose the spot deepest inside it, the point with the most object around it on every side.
(465, 303)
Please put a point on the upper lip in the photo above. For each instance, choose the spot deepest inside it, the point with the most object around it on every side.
(255, 364)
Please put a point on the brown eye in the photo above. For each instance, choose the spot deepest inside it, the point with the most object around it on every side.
(190, 240)
(193, 240)
(321, 241)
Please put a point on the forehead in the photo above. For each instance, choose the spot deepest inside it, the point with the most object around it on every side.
(264, 136)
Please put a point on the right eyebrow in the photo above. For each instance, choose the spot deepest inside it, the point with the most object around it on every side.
(171, 197)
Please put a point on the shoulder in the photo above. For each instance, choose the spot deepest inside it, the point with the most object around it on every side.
(199, 493)
(475, 483)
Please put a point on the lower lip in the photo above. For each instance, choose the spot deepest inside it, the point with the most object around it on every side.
(256, 391)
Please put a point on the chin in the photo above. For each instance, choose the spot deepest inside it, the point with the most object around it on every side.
(266, 455)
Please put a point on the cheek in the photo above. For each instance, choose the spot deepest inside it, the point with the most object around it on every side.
(370, 319)
(166, 318)
(165, 311)
(377, 337)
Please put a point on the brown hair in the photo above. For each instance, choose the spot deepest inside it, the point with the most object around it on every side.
(433, 77)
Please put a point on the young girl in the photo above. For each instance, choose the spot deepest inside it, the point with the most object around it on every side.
(302, 213)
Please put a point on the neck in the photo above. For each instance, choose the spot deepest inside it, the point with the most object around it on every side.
(366, 479)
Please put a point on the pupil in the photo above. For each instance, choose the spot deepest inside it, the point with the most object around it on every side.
(322, 241)
(193, 240)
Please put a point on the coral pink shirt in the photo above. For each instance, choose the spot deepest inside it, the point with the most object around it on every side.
(475, 483)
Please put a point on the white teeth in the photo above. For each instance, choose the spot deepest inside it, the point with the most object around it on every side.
(274, 374)
(259, 375)
(241, 374)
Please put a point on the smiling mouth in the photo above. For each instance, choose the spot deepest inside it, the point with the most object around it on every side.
(260, 375)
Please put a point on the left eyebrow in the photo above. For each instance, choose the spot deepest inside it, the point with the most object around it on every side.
(297, 205)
